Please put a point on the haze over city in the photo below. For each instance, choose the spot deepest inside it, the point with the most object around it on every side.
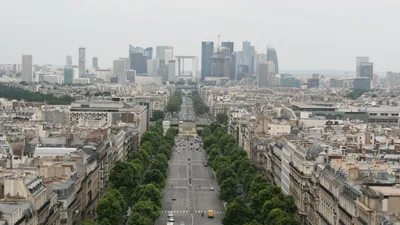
(308, 35)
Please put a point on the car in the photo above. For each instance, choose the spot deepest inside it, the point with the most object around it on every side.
(173, 198)
(189, 158)
(205, 165)
(170, 214)
(171, 219)
(211, 188)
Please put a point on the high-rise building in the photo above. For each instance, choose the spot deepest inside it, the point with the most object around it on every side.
(137, 59)
(362, 83)
(161, 52)
(312, 83)
(273, 57)
(220, 65)
(69, 61)
(131, 76)
(366, 70)
(360, 60)
(68, 75)
(27, 68)
(95, 62)
(336, 83)
(168, 55)
(290, 82)
(82, 61)
(152, 67)
(118, 66)
(229, 45)
(127, 63)
(266, 74)
(148, 52)
(260, 58)
(171, 70)
(248, 56)
(207, 50)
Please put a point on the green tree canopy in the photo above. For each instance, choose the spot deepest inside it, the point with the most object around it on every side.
(228, 189)
(237, 213)
(124, 174)
(109, 208)
(157, 115)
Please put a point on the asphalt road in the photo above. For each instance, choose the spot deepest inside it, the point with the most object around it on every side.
(191, 197)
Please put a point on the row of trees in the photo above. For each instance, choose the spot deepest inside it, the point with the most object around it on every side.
(250, 198)
(138, 182)
(174, 104)
(157, 115)
(18, 94)
(199, 106)
(356, 93)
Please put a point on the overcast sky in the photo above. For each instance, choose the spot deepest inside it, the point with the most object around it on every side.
(307, 34)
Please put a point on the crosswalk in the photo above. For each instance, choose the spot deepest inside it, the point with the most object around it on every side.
(187, 211)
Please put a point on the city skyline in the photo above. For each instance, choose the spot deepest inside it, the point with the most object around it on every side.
(305, 31)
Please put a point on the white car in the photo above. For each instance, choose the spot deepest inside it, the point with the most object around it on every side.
(171, 219)
(170, 214)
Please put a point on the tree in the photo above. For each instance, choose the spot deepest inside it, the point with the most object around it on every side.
(147, 208)
(254, 222)
(119, 197)
(228, 189)
(141, 220)
(257, 200)
(224, 173)
(154, 177)
(150, 192)
(257, 184)
(237, 213)
(157, 115)
(88, 222)
(279, 217)
(109, 208)
(124, 174)
(105, 221)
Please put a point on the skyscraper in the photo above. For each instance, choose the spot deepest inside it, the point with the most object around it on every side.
(148, 52)
(160, 51)
(137, 59)
(95, 62)
(229, 45)
(82, 61)
(27, 72)
(266, 74)
(152, 66)
(220, 65)
(248, 55)
(273, 57)
(127, 64)
(367, 70)
(207, 50)
(69, 61)
(360, 60)
(68, 75)
(118, 67)
(171, 70)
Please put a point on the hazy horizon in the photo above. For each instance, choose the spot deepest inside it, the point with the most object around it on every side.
(307, 34)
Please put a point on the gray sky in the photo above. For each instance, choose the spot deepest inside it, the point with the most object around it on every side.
(308, 34)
